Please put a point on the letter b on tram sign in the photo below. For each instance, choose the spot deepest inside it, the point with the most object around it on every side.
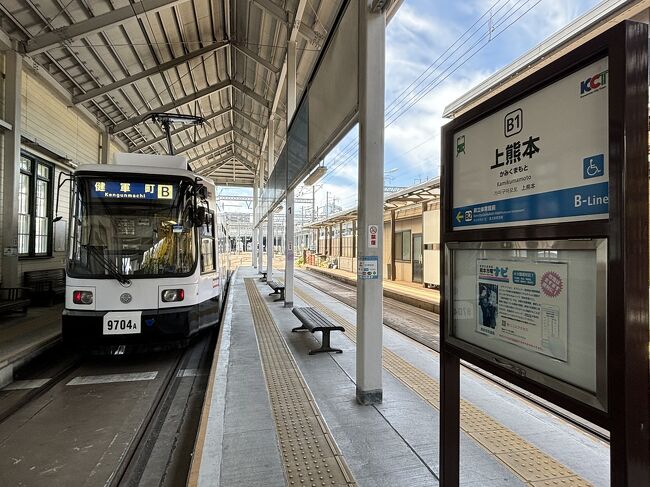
(513, 122)
(165, 191)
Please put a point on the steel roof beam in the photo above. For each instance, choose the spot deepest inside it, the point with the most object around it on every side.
(244, 135)
(120, 127)
(203, 140)
(44, 42)
(102, 90)
(247, 150)
(216, 163)
(248, 118)
(211, 152)
(273, 9)
(179, 130)
(257, 58)
(252, 94)
(247, 165)
(293, 34)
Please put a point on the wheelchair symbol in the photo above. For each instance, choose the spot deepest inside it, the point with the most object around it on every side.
(593, 166)
(592, 169)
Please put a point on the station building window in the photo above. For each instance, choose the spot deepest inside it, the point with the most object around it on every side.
(208, 244)
(403, 245)
(35, 207)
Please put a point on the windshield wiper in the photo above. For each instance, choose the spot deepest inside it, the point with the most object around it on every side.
(109, 266)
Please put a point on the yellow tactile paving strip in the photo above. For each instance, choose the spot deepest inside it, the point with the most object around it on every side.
(310, 456)
(535, 467)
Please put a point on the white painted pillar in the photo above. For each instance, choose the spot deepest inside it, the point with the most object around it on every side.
(290, 200)
(372, 27)
(254, 236)
(11, 169)
(269, 218)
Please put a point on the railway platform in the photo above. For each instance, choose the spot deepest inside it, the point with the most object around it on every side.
(275, 415)
(405, 292)
(24, 336)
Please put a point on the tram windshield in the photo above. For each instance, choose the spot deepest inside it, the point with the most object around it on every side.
(132, 227)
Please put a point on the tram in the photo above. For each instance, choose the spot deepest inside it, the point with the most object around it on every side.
(143, 262)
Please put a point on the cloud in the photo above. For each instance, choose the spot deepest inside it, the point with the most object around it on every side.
(421, 32)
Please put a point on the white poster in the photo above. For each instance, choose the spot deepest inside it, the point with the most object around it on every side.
(524, 303)
(543, 159)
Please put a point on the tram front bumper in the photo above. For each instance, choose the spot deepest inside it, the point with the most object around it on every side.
(157, 325)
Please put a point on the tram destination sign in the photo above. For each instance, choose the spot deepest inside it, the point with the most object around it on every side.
(543, 159)
(129, 190)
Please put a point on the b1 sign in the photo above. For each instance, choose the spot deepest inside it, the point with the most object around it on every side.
(541, 160)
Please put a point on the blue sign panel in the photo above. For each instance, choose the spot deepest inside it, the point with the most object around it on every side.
(581, 201)
(131, 190)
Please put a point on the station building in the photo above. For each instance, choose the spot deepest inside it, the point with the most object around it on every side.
(273, 413)
(411, 237)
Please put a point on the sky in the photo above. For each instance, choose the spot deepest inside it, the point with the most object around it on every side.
(426, 32)
(429, 42)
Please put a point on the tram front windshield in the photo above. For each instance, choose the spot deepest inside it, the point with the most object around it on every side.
(135, 228)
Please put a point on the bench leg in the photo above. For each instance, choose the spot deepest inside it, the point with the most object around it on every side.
(281, 298)
(325, 346)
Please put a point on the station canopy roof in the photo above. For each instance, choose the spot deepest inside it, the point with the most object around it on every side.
(420, 193)
(224, 60)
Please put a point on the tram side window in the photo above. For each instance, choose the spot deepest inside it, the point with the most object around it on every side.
(208, 245)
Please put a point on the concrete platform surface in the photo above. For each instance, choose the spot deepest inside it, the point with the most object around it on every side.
(505, 440)
(23, 336)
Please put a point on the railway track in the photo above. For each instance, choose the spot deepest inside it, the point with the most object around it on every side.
(396, 313)
(107, 420)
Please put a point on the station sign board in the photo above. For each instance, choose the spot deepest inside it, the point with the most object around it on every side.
(543, 159)
(549, 289)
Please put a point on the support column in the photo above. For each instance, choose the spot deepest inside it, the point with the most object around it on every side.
(254, 236)
(372, 37)
(393, 267)
(259, 246)
(290, 200)
(340, 241)
(354, 238)
(289, 254)
(106, 145)
(11, 171)
(269, 219)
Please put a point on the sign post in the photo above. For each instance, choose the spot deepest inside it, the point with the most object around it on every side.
(549, 289)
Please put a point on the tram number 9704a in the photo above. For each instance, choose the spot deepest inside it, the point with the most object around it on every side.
(121, 323)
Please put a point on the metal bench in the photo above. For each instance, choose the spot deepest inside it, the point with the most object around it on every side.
(263, 278)
(278, 289)
(314, 321)
(46, 283)
(14, 298)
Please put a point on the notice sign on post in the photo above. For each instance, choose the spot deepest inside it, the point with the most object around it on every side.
(368, 267)
(373, 230)
(543, 159)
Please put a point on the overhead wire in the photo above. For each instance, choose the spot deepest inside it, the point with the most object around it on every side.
(346, 155)
(434, 83)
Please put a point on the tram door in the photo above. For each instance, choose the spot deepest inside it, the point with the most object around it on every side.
(418, 261)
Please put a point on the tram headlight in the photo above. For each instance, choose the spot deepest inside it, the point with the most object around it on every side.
(170, 295)
(82, 297)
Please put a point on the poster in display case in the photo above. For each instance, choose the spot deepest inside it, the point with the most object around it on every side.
(535, 307)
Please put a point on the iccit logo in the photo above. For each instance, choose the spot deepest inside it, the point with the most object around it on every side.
(593, 84)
